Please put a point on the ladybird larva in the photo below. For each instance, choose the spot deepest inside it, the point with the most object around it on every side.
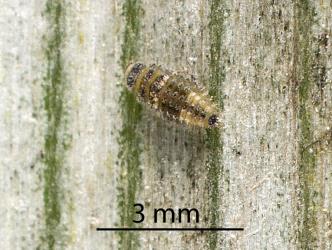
(175, 96)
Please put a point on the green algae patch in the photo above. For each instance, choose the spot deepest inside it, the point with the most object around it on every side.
(214, 136)
(129, 140)
(55, 144)
(307, 234)
(132, 12)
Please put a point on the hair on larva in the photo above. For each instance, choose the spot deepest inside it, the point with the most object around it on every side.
(175, 96)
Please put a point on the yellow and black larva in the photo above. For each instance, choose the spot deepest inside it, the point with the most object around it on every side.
(175, 96)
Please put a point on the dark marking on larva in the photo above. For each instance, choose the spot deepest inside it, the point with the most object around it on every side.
(135, 71)
(146, 80)
(213, 120)
(155, 87)
(177, 97)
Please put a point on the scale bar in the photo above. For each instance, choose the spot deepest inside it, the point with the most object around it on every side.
(170, 229)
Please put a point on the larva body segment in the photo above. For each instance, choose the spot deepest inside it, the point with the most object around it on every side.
(175, 96)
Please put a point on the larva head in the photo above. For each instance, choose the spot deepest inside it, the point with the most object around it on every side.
(132, 72)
